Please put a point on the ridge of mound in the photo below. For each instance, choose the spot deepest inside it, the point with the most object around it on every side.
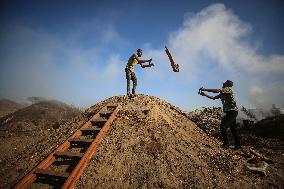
(153, 144)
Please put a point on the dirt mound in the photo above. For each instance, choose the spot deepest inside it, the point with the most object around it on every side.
(208, 119)
(9, 106)
(271, 127)
(42, 115)
(265, 136)
(152, 144)
(29, 134)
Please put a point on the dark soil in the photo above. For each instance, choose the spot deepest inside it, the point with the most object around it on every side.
(265, 137)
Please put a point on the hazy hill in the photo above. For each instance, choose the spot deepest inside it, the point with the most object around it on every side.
(9, 106)
(30, 133)
(41, 115)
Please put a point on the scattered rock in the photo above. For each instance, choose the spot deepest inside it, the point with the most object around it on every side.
(56, 125)
(259, 167)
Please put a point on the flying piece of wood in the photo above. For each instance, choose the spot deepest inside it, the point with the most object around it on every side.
(174, 65)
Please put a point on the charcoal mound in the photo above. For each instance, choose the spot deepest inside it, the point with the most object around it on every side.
(154, 144)
(264, 136)
(271, 127)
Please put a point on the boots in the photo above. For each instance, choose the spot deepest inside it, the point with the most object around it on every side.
(128, 93)
(133, 91)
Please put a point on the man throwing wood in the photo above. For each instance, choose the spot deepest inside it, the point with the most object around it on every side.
(229, 107)
(129, 70)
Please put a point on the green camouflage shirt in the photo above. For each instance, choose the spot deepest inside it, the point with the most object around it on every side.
(132, 61)
(228, 99)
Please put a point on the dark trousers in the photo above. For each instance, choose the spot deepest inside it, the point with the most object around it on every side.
(230, 121)
(131, 76)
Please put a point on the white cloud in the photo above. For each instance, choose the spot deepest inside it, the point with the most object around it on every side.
(222, 36)
(255, 91)
(256, 94)
(214, 45)
(265, 95)
(114, 67)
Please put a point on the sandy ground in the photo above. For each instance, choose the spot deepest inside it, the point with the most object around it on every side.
(28, 135)
(161, 149)
(151, 144)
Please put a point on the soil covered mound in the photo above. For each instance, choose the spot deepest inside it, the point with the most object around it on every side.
(265, 137)
(208, 119)
(153, 144)
(270, 127)
(9, 106)
(42, 115)
(29, 134)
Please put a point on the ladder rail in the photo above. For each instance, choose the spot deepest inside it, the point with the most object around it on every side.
(78, 170)
(31, 177)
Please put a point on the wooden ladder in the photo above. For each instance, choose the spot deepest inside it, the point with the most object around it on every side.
(85, 139)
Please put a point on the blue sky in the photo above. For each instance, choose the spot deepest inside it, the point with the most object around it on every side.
(75, 51)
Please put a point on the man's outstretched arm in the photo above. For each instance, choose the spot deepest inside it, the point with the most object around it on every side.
(208, 96)
(141, 62)
(144, 61)
(210, 90)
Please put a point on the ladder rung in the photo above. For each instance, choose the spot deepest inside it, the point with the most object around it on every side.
(50, 173)
(68, 154)
(98, 122)
(80, 141)
(90, 130)
(106, 113)
(111, 107)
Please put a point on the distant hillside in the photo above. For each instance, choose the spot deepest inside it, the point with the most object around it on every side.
(9, 106)
(42, 115)
(29, 134)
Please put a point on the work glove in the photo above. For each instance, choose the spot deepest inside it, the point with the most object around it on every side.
(202, 93)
